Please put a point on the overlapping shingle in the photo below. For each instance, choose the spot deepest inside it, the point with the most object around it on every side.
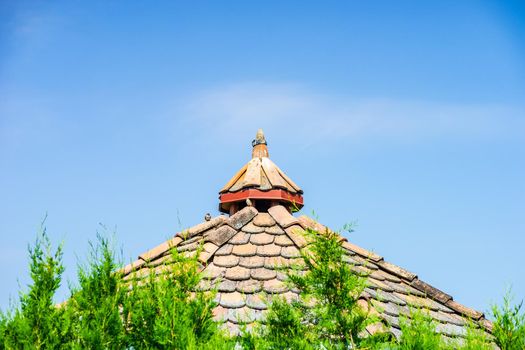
(244, 257)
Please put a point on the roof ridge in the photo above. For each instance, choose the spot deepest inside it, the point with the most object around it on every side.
(411, 278)
(172, 242)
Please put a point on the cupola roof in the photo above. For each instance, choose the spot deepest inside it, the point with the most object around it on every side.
(260, 182)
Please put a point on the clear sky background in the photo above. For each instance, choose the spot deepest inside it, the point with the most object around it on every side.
(405, 116)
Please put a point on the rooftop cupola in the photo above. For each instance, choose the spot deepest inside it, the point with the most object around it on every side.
(259, 183)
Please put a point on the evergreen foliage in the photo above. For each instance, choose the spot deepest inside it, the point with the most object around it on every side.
(168, 310)
(94, 307)
(327, 314)
(509, 324)
(37, 323)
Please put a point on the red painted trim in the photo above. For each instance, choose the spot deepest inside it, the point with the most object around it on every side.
(258, 194)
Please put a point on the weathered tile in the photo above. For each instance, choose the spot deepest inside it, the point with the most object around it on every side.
(307, 222)
(212, 271)
(396, 332)
(210, 247)
(249, 286)
(476, 315)
(263, 220)
(402, 288)
(190, 240)
(206, 225)
(385, 296)
(283, 240)
(376, 328)
(269, 250)
(237, 273)
(242, 315)
(274, 230)
(361, 251)
(274, 286)
(226, 286)
(251, 228)
(232, 328)
(390, 308)
(190, 247)
(263, 274)
(204, 285)
(275, 262)
(220, 314)
(244, 250)
(282, 216)
(447, 318)
(242, 217)
(398, 271)
(132, 267)
(162, 260)
(221, 235)
(391, 320)
(261, 238)
(226, 249)
(281, 276)
(430, 291)
(451, 329)
(251, 261)
(375, 284)
(226, 260)
(290, 296)
(360, 270)
(232, 300)
(487, 324)
(296, 234)
(378, 276)
(204, 256)
(421, 302)
(256, 301)
(290, 252)
(240, 238)
(388, 276)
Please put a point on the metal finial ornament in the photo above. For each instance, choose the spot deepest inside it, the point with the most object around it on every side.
(207, 217)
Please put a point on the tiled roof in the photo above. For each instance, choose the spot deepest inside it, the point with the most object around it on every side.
(241, 255)
(262, 174)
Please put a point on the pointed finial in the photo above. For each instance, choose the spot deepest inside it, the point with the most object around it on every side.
(260, 148)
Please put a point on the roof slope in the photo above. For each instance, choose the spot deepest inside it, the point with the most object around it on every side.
(241, 254)
(261, 174)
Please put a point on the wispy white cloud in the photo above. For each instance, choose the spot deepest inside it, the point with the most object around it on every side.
(293, 109)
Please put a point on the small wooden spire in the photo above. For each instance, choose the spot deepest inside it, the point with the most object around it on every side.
(260, 147)
(260, 183)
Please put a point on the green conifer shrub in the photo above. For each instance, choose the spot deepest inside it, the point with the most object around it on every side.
(509, 324)
(37, 323)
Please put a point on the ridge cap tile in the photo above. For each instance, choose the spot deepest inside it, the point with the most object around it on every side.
(134, 265)
(362, 251)
(397, 270)
(201, 227)
(220, 235)
(160, 249)
(242, 217)
(281, 215)
(462, 309)
(431, 291)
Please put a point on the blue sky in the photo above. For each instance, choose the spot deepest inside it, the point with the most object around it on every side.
(407, 117)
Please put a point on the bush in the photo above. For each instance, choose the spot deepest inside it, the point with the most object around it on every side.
(167, 309)
(37, 323)
(327, 313)
(509, 324)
